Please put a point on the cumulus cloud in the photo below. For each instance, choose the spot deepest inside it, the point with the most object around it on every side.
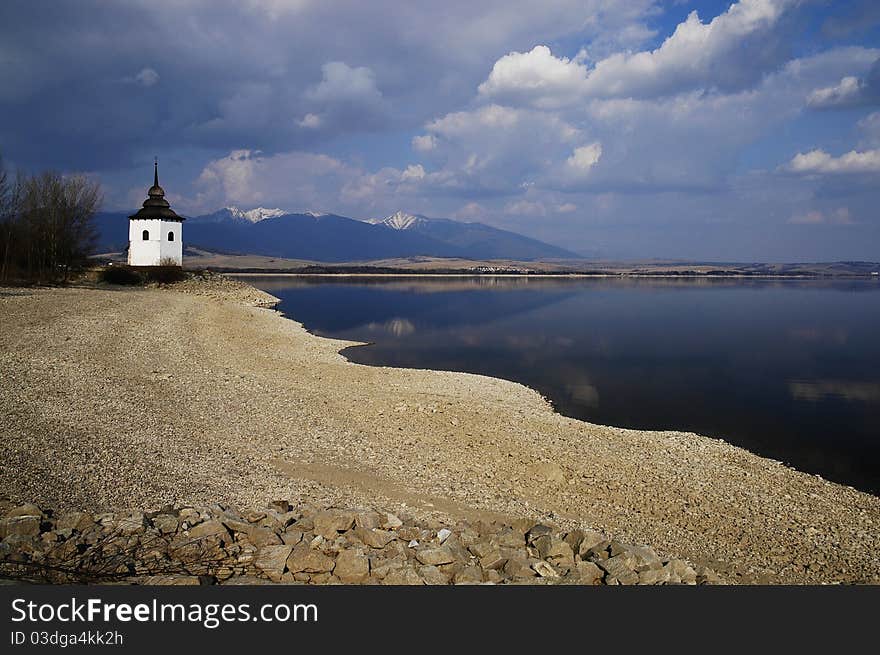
(424, 143)
(731, 51)
(310, 121)
(869, 126)
(851, 91)
(585, 157)
(250, 178)
(820, 162)
(537, 77)
(413, 172)
(342, 83)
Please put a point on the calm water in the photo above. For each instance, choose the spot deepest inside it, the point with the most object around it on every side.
(787, 369)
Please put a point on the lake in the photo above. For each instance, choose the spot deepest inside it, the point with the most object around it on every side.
(788, 369)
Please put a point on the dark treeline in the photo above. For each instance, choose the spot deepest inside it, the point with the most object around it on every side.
(46, 225)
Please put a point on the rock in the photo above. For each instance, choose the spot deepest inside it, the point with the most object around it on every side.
(588, 573)
(443, 535)
(27, 509)
(435, 556)
(654, 576)
(352, 567)
(331, 522)
(367, 519)
(271, 560)
(176, 580)
(374, 538)
(492, 559)
(22, 526)
(560, 553)
(260, 536)
(646, 558)
(391, 522)
(592, 543)
(510, 538)
(292, 536)
(574, 539)
(467, 576)
(544, 569)
(280, 506)
(681, 570)
(307, 560)
(620, 567)
(538, 531)
(210, 528)
(706, 575)
(482, 548)
(518, 567)
(235, 526)
(75, 521)
(132, 524)
(165, 523)
(253, 516)
(433, 576)
(405, 575)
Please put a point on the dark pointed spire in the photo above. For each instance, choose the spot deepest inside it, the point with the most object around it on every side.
(155, 206)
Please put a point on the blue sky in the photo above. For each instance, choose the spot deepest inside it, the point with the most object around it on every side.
(618, 128)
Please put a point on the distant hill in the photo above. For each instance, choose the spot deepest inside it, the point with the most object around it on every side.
(332, 238)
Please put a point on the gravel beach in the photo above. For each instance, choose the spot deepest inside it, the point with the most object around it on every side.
(114, 398)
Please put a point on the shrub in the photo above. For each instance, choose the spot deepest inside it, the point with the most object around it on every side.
(165, 274)
(120, 274)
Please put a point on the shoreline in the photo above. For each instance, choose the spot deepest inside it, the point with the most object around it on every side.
(697, 276)
(477, 443)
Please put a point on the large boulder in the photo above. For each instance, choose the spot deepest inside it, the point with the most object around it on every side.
(271, 560)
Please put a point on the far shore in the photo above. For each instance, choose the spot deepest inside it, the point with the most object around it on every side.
(119, 398)
(557, 276)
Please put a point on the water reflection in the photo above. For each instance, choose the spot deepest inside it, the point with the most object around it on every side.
(789, 369)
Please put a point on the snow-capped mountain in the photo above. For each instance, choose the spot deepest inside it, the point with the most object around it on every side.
(399, 220)
(318, 236)
(255, 215)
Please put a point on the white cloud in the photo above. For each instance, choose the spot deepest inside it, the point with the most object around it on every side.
(342, 84)
(566, 208)
(585, 157)
(310, 121)
(847, 92)
(413, 172)
(696, 55)
(869, 126)
(732, 51)
(250, 178)
(538, 75)
(820, 162)
(424, 143)
(851, 91)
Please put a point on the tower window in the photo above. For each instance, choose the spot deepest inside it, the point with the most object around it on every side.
(171, 236)
(146, 235)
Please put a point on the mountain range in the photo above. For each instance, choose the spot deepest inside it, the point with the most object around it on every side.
(325, 237)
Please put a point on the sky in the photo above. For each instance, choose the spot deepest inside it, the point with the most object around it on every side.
(620, 129)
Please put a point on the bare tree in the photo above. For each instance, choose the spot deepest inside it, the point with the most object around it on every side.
(48, 227)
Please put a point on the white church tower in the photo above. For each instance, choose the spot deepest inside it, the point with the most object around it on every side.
(155, 233)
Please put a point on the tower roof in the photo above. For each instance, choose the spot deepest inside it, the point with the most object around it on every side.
(155, 206)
